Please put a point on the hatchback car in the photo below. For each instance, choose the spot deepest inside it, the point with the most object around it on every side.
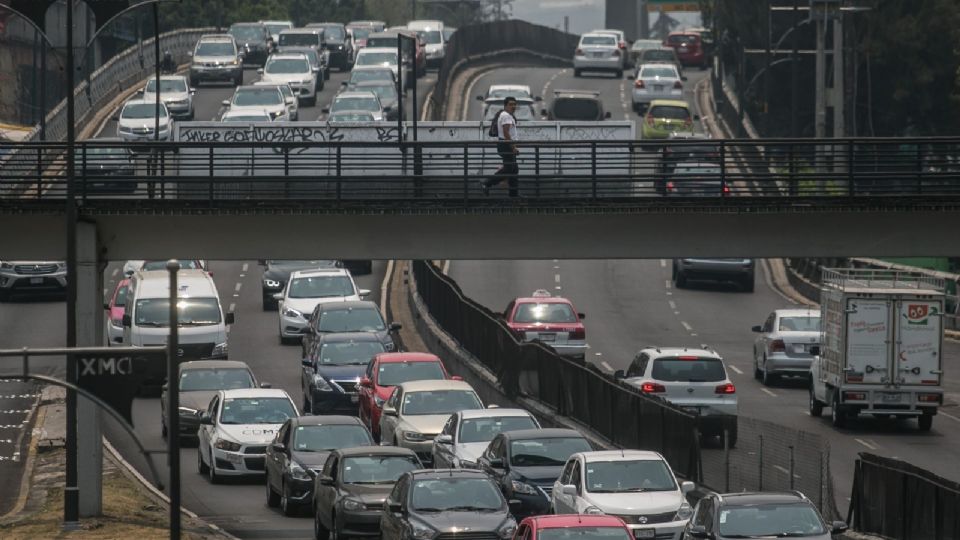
(437, 504)
(350, 490)
(525, 463)
(236, 429)
(276, 273)
(137, 121)
(306, 289)
(598, 52)
(783, 346)
(356, 316)
(694, 379)
(198, 382)
(690, 48)
(358, 101)
(257, 99)
(254, 40)
(572, 527)
(174, 92)
(331, 371)
(386, 93)
(417, 410)
(584, 105)
(468, 433)
(656, 81)
(726, 270)
(385, 372)
(552, 320)
(216, 58)
(640, 45)
(299, 451)
(295, 70)
(759, 515)
(115, 309)
(658, 55)
(637, 486)
(666, 116)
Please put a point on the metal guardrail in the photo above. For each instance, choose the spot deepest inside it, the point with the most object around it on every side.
(583, 171)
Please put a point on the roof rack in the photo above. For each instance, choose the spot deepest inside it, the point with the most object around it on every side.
(863, 278)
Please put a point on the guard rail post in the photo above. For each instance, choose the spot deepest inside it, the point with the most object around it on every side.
(593, 168)
(851, 177)
(339, 172)
(536, 170)
(723, 165)
(466, 176)
(286, 171)
(210, 192)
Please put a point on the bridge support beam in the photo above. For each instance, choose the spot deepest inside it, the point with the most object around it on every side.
(90, 333)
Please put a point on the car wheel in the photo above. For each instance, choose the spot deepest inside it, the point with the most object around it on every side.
(288, 508)
(681, 280)
(201, 466)
(837, 415)
(319, 531)
(925, 422)
(619, 73)
(238, 81)
(273, 500)
(766, 377)
(269, 303)
(212, 470)
(815, 405)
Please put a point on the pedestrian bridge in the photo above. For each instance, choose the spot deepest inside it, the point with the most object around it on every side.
(314, 193)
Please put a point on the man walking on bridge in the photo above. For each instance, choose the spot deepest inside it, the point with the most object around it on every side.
(506, 133)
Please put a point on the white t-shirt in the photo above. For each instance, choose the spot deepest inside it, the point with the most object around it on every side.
(506, 122)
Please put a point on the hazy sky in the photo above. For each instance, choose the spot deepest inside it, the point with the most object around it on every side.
(584, 15)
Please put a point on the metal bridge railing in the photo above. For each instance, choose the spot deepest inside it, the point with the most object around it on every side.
(581, 171)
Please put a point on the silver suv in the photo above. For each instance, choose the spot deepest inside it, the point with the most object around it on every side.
(31, 277)
(691, 378)
(216, 58)
(739, 271)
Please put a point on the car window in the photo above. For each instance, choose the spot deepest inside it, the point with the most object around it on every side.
(635, 370)
(598, 40)
(484, 429)
(138, 111)
(185, 264)
(120, 300)
(688, 369)
(320, 438)
(440, 494)
(800, 324)
(575, 475)
(215, 48)
(195, 380)
(531, 312)
(351, 320)
(328, 465)
(494, 449)
(348, 353)
(567, 470)
(658, 72)
(321, 287)
(246, 33)
(287, 65)
(683, 39)
(439, 402)
(759, 520)
(155, 312)
(376, 469)
(256, 411)
(552, 451)
(394, 373)
(299, 40)
(629, 476)
(449, 428)
(768, 324)
(167, 85)
(658, 55)
(576, 109)
(284, 434)
(212, 408)
(670, 112)
(394, 398)
(355, 104)
(377, 58)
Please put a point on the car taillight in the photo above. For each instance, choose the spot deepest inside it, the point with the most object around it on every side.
(678, 85)
(854, 396)
(728, 388)
(726, 189)
(777, 345)
(929, 398)
(622, 45)
(652, 388)
(578, 333)
(854, 377)
(579, 52)
(639, 84)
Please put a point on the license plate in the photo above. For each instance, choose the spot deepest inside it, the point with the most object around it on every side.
(658, 88)
(598, 55)
(890, 397)
(36, 281)
(799, 348)
(644, 533)
(355, 399)
(547, 337)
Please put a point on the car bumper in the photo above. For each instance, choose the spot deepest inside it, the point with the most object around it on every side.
(691, 59)
(180, 110)
(13, 282)
(143, 137)
(359, 522)
(658, 531)
(300, 492)
(237, 464)
(588, 62)
(216, 73)
(291, 327)
(578, 350)
(784, 365)
(641, 95)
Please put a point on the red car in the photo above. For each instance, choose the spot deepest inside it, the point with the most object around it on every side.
(551, 319)
(690, 48)
(572, 527)
(115, 308)
(387, 370)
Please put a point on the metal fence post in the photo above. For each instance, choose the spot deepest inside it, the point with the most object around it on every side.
(536, 171)
(339, 172)
(593, 167)
(851, 177)
(760, 462)
(466, 176)
(723, 165)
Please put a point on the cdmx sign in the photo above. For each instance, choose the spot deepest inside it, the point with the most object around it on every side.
(117, 377)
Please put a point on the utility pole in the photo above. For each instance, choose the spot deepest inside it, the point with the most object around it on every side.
(820, 115)
(644, 31)
(837, 97)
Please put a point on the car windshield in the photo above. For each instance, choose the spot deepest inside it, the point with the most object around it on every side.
(658, 72)
(382, 42)
(190, 312)
(257, 411)
(800, 324)
(377, 58)
(376, 469)
(669, 112)
(439, 402)
(330, 437)
(770, 520)
(386, 92)
(697, 171)
(276, 28)
(215, 48)
(546, 452)
(361, 32)
(547, 313)
(643, 44)
(658, 55)
(350, 117)
(359, 75)
(688, 369)
(576, 109)
(431, 37)
(167, 85)
(321, 287)
(333, 32)
(185, 264)
(474, 430)
(500, 93)
(194, 380)
(598, 40)
(121, 299)
(351, 320)
(257, 96)
(355, 103)
(583, 533)
(246, 118)
(394, 373)
(345, 353)
(142, 110)
(305, 39)
(626, 476)
(287, 65)
(246, 33)
(455, 494)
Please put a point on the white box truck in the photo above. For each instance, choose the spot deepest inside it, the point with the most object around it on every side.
(881, 341)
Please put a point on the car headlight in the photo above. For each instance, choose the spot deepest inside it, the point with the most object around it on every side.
(520, 487)
(297, 472)
(413, 436)
(290, 312)
(321, 384)
(234, 62)
(186, 411)
(116, 323)
(271, 283)
(62, 266)
(593, 511)
(220, 349)
(379, 401)
(422, 532)
(353, 504)
(507, 529)
(684, 512)
(339, 47)
(229, 446)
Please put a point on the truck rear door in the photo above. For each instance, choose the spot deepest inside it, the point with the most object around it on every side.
(918, 341)
(868, 341)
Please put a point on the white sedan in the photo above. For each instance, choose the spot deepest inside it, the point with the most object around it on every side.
(236, 429)
(258, 99)
(137, 121)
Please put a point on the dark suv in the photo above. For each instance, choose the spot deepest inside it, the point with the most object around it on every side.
(339, 42)
(254, 40)
(740, 271)
(576, 105)
(759, 515)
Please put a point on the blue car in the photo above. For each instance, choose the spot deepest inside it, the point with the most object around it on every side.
(332, 370)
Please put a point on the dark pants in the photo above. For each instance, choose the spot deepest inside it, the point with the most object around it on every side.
(509, 170)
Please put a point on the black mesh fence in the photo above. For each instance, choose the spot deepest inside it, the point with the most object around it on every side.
(894, 499)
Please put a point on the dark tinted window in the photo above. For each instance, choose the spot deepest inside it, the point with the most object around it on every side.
(121, 299)
(658, 55)
(629, 476)
(553, 452)
(257, 411)
(376, 469)
(694, 369)
(330, 437)
(192, 380)
(670, 112)
(191, 311)
(351, 320)
(438, 495)
(485, 429)
(382, 42)
(247, 33)
(346, 353)
(576, 109)
(307, 40)
(770, 520)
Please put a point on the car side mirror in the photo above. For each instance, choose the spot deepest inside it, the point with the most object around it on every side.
(687, 487)
(444, 439)
(266, 385)
(619, 374)
(260, 71)
(395, 507)
(495, 463)
(389, 411)
(568, 489)
(395, 326)
(229, 318)
(699, 531)
(456, 378)
(325, 110)
(758, 329)
(306, 362)
(479, 98)
(364, 292)
(126, 321)
(815, 350)
(838, 527)
(582, 315)
(278, 447)
(205, 419)
(225, 103)
(326, 481)
(366, 382)
(538, 98)
(606, 115)
(278, 296)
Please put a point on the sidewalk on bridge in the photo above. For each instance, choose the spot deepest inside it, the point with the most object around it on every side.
(129, 509)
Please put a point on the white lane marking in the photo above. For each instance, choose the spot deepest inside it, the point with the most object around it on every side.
(785, 471)
(606, 366)
(237, 288)
(18, 396)
(555, 260)
(231, 307)
(667, 284)
(735, 368)
(115, 272)
(948, 415)
(686, 326)
(546, 86)
(663, 263)
(693, 334)
(673, 305)
(385, 283)
(15, 411)
(768, 392)
(245, 267)
(556, 278)
(555, 267)
(865, 443)
(669, 293)
(559, 288)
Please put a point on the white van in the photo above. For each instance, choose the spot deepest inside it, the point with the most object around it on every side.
(202, 324)
(431, 35)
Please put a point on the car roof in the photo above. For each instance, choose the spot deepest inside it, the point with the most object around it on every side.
(254, 393)
(372, 82)
(156, 283)
(596, 34)
(620, 455)
(368, 50)
(328, 420)
(216, 37)
(168, 78)
(543, 433)
(213, 364)
(141, 101)
(761, 497)
(375, 450)
(247, 112)
(670, 103)
(397, 357)
(657, 65)
(797, 312)
(431, 385)
(354, 93)
(448, 473)
(301, 31)
(319, 272)
(288, 55)
(492, 413)
(350, 304)
(340, 337)
(557, 521)
(684, 351)
(370, 68)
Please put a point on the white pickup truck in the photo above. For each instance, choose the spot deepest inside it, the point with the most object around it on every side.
(881, 342)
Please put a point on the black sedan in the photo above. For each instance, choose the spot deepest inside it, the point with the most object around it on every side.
(277, 272)
(526, 463)
(352, 316)
(444, 504)
(107, 166)
(298, 453)
(349, 492)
